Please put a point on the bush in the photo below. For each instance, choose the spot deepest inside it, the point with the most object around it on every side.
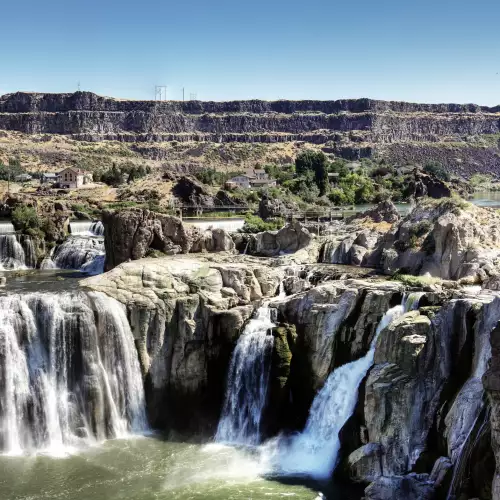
(436, 169)
(338, 197)
(480, 180)
(415, 281)
(25, 218)
(127, 172)
(254, 224)
(420, 228)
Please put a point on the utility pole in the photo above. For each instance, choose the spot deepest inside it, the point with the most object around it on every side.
(160, 92)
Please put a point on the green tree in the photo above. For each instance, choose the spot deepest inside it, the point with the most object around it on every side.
(316, 162)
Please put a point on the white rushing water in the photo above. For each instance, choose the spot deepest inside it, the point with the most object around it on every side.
(247, 383)
(86, 228)
(80, 253)
(314, 451)
(16, 252)
(69, 372)
(6, 227)
(230, 224)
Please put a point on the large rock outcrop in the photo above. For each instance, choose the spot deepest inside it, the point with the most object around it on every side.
(130, 234)
(290, 239)
(186, 314)
(447, 238)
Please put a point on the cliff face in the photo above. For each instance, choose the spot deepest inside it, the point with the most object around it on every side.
(351, 128)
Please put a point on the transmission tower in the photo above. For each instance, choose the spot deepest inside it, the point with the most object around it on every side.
(193, 96)
(160, 92)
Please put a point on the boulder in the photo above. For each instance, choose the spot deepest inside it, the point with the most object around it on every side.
(192, 192)
(129, 234)
(291, 238)
(429, 185)
(448, 239)
(385, 211)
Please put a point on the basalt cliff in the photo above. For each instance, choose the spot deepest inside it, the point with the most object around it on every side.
(462, 137)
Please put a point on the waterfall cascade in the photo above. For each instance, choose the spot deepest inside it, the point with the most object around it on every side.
(86, 228)
(85, 254)
(314, 451)
(231, 224)
(16, 252)
(469, 414)
(247, 383)
(6, 227)
(69, 373)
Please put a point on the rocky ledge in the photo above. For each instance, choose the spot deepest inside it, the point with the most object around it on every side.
(447, 238)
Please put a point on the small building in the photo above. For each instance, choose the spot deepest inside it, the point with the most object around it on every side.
(23, 178)
(242, 181)
(256, 173)
(247, 182)
(47, 177)
(73, 178)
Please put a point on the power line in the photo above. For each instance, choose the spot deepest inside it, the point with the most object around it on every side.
(160, 92)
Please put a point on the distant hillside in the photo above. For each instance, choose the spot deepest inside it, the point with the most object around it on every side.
(464, 138)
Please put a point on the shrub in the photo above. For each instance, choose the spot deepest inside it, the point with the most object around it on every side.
(213, 177)
(436, 169)
(25, 218)
(480, 180)
(338, 197)
(254, 224)
(420, 228)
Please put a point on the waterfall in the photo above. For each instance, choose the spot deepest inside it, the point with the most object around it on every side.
(86, 228)
(468, 411)
(85, 254)
(411, 301)
(231, 224)
(69, 374)
(314, 451)
(13, 254)
(247, 383)
(6, 227)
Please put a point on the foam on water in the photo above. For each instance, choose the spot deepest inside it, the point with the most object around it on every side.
(313, 452)
(70, 373)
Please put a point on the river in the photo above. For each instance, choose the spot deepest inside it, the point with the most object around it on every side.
(147, 468)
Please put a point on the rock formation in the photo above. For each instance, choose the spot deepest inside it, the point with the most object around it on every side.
(186, 313)
(447, 238)
(130, 234)
(352, 128)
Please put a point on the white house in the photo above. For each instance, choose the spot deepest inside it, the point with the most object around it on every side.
(242, 181)
(73, 177)
(252, 178)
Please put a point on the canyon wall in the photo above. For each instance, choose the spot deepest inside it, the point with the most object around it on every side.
(351, 128)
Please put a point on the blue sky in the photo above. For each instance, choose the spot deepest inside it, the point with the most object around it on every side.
(420, 50)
